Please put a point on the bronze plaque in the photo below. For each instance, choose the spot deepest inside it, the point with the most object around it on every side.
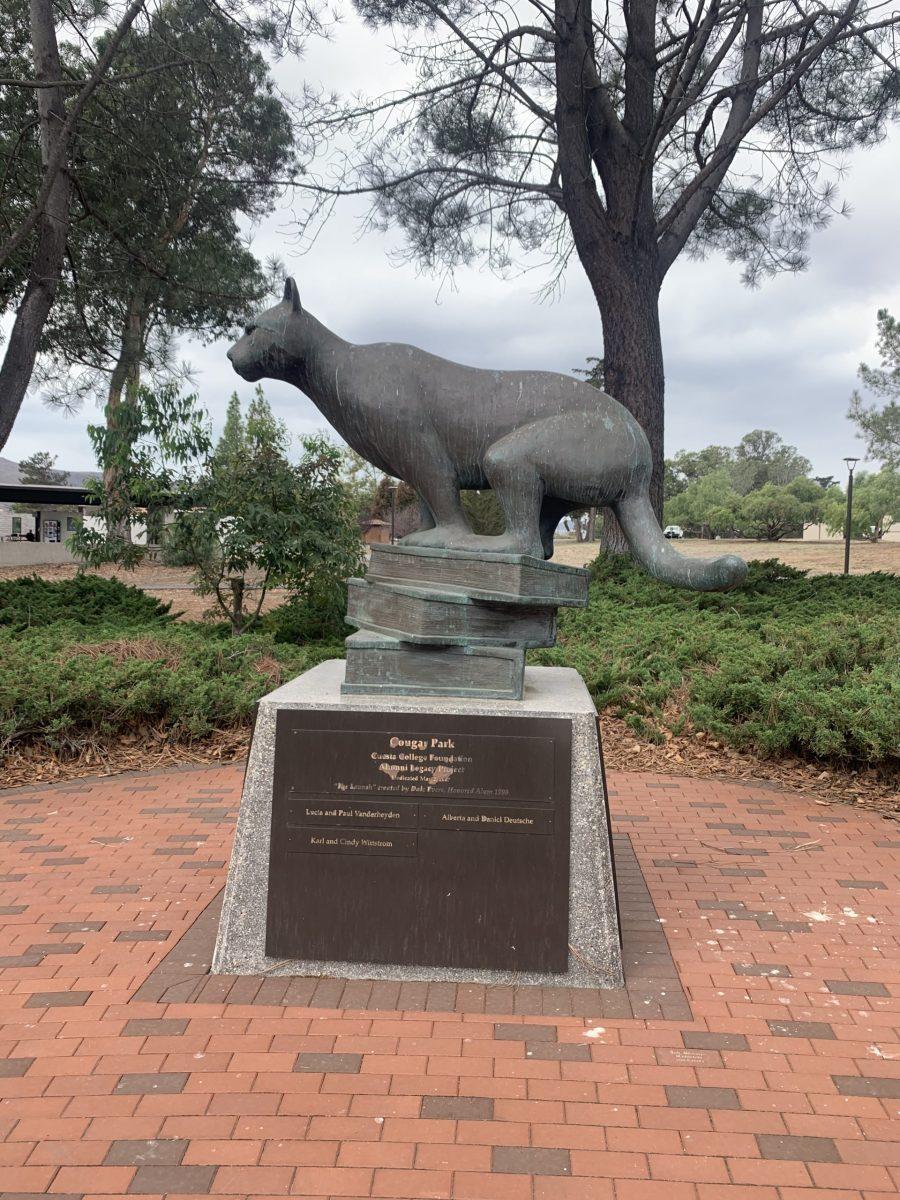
(420, 838)
(421, 762)
(358, 813)
(322, 840)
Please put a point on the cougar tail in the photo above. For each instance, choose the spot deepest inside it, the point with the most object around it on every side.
(659, 558)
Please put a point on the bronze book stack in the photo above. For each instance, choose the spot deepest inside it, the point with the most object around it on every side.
(453, 623)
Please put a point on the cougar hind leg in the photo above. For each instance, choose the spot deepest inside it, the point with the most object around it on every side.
(509, 465)
(552, 512)
(426, 516)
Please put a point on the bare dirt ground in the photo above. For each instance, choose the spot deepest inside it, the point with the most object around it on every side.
(819, 558)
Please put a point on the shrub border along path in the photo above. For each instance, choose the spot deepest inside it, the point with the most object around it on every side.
(124, 688)
(782, 918)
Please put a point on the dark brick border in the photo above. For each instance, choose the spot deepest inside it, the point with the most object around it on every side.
(652, 989)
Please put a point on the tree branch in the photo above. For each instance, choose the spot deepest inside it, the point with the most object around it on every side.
(76, 83)
(681, 219)
(57, 159)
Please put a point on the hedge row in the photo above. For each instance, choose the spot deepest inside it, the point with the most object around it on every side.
(784, 665)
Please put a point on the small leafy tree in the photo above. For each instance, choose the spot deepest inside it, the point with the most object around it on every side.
(772, 512)
(708, 505)
(361, 481)
(37, 130)
(407, 513)
(39, 468)
(813, 495)
(483, 512)
(584, 520)
(880, 426)
(151, 453)
(179, 162)
(257, 519)
(762, 457)
(690, 465)
(594, 373)
(876, 505)
(71, 110)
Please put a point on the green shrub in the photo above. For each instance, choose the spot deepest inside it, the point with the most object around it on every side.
(317, 616)
(68, 685)
(784, 665)
(32, 602)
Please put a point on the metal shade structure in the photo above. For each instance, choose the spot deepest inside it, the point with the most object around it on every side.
(63, 495)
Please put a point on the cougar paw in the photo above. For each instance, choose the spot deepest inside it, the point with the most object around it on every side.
(440, 537)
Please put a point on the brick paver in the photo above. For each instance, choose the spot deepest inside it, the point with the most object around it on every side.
(753, 1056)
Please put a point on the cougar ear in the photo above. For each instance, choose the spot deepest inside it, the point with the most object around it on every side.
(291, 294)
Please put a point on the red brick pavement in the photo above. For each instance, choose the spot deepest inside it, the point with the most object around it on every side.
(781, 915)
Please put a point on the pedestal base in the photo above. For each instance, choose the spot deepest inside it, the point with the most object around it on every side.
(594, 956)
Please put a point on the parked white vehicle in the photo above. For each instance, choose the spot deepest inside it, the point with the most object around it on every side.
(673, 531)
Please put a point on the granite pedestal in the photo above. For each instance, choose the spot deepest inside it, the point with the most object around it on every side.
(553, 694)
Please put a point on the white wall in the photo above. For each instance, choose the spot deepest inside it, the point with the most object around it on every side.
(138, 531)
(27, 554)
(819, 533)
(6, 521)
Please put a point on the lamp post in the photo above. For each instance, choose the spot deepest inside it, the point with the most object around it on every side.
(851, 463)
(393, 488)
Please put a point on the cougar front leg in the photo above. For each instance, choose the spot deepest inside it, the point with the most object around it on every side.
(439, 492)
(426, 516)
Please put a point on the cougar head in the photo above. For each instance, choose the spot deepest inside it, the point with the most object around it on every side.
(262, 352)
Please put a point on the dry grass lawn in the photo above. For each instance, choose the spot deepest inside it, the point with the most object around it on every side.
(819, 558)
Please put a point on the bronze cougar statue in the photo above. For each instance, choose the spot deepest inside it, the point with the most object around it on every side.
(545, 443)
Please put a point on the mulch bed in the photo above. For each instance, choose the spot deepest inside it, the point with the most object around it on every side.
(702, 757)
(695, 755)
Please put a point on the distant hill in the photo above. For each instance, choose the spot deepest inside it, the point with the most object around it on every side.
(9, 473)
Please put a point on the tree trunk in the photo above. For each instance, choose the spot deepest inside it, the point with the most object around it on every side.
(124, 380)
(615, 238)
(237, 608)
(52, 229)
(627, 292)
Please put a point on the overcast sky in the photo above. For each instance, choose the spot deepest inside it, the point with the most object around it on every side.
(783, 357)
